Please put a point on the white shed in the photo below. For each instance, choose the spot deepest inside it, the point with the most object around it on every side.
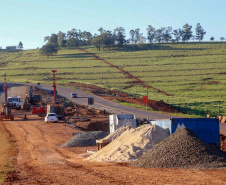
(123, 120)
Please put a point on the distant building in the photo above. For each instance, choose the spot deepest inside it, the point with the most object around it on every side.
(11, 48)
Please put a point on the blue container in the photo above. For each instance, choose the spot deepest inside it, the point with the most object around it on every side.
(206, 129)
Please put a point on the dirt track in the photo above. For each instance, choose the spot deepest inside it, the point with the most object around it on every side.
(129, 75)
(41, 161)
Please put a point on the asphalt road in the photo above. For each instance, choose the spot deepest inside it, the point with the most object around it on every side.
(101, 103)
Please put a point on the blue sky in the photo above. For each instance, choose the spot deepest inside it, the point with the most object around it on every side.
(29, 21)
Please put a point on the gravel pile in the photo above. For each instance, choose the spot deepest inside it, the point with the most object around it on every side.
(183, 149)
(85, 139)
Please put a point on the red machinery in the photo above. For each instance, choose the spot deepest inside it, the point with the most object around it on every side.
(41, 111)
(6, 111)
(54, 86)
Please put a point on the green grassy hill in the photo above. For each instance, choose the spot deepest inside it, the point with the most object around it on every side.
(192, 74)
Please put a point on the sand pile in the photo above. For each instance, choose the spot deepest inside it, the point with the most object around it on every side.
(85, 139)
(131, 144)
(183, 149)
(117, 133)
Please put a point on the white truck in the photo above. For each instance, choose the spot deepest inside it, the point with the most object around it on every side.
(15, 102)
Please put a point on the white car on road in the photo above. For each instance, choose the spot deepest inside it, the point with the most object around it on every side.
(51, 117)
(74, 95)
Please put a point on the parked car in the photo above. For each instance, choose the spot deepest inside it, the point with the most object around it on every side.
(74, 95)
(51, 117)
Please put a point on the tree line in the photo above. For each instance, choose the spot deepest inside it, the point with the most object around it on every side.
(107, 39)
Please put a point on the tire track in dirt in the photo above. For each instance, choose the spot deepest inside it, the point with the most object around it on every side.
(136, 81)
(33, 157)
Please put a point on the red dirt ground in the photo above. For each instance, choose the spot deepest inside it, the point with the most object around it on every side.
(41, 161)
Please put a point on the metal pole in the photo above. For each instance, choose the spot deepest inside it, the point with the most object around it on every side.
(54, 86)
(6, 96)
(147, 95)
(218, 109)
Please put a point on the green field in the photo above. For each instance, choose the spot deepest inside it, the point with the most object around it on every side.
(194, 74)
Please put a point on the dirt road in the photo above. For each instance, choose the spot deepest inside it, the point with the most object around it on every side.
(41, 161)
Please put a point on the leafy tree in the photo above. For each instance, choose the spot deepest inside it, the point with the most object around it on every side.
(186, 32)
(159, 35)
(222, 39)
(78, 38)
(167, 32)
(48, 49)
(20, 46)
(88, 38)
(96, 41)
(119, 34)
(200, 32)
(101, 30)
(80, 35)
(61, 39)
(72, 34)
(177, 34)
(105, 39)
(46, 38)
(137, 35)
(132, 36)
(53, 40)
(141, 40)
(150, 33)
(212, 38)
(72, 42)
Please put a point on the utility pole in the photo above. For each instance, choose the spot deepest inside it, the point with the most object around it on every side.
(54, 86)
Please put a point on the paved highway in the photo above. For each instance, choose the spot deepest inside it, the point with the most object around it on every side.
(101, 103)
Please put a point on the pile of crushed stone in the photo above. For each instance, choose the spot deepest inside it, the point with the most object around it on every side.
(85, 139)
(131, 144)
(183, 149)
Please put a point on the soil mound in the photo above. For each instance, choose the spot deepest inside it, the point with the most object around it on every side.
(183, 149)
(94, 125)
(85, 139)
(131, 144)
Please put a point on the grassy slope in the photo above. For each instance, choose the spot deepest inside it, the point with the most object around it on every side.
(193, 73)
(7, 153)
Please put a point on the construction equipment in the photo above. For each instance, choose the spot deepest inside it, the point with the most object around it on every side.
(41, 111)
(6, 111)
(36, 99)
(54, 86)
